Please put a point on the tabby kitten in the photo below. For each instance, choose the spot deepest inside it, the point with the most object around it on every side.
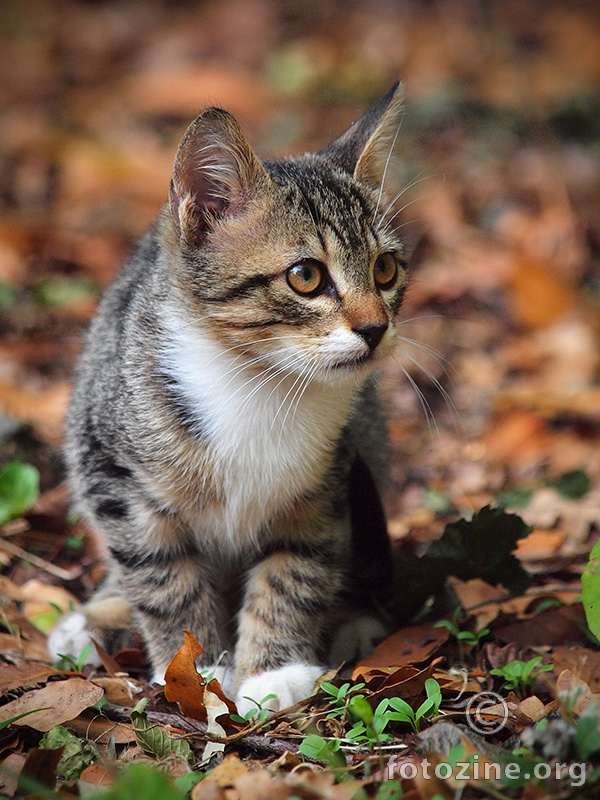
(224, 416)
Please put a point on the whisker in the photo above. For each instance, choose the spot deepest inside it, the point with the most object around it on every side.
(416, 180)
(427, 411)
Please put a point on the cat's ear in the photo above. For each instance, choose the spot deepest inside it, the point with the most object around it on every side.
(214, 174)
(365, 148)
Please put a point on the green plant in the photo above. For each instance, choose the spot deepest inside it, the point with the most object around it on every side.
(19, 489)
(519, 675)
(257, 714)
(462, 637)
(339, 697)
(403, 712)
(590, 591)
(77, 665)
(327, 750)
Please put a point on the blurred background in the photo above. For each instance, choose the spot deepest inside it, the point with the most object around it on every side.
(498, 154)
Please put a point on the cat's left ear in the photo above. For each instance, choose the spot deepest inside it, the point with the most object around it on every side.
(364, 149)
(214, 175)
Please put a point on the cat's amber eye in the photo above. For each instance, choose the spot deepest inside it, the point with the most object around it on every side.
(385, 271)
(307, 277)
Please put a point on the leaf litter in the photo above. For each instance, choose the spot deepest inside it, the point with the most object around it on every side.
(494, 504)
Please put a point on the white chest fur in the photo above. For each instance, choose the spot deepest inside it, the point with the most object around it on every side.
(269, 433)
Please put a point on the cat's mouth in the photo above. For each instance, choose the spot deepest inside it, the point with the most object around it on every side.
(353, 363)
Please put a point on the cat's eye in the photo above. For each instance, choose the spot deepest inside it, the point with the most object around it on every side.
(307, 277)
(385, 271)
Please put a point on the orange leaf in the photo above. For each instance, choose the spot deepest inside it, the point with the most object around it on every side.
(183, 684)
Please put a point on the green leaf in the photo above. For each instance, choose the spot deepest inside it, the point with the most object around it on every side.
(359, 709)
(389, 790)
(19, 489)
(142, 781)
(64, 291)
(154, 740)
(77, 753)
(514, 498)
(482, 548)
(590, 590)
(322, 750)
(573, 485)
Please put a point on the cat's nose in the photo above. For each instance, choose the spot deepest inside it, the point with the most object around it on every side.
(372, 334)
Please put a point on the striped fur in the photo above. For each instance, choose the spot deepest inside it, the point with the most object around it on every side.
(217, 412)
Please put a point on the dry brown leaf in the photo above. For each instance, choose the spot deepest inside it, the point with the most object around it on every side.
(533, 708)
(516, 437)
(44, 409)
(538, 296)
(539, 545)
(101, 773)
(63, 701)
(476, 592)
(10, 769)
(119, 691)
(581, 662)
(185, 90)
(554, 626)
(38, 596)
(569, 684)
(411, 645)
(183, 684)
(25, 675)
(99, 729)
(227, 772)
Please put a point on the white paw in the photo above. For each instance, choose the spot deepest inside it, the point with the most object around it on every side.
(354, 640)
(290, 684)
(70, 637)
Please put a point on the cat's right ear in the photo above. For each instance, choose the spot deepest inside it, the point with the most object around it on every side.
(365, 148)
(215, 172)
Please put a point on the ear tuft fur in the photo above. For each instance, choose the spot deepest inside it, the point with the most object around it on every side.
(214, 173)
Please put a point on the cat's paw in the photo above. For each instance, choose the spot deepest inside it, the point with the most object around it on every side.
(355, 639)
(289, 684)
(70, 637)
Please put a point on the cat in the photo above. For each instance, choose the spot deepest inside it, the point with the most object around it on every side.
(225, 435)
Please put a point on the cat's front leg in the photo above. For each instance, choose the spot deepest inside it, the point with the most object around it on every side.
(288, 599)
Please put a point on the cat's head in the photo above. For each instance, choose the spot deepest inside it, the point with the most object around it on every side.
(293, 265)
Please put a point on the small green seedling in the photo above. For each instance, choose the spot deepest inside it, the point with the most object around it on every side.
(340, 697)
(462, 637)
(428, 709)
(77, 665)
(19, 489)
(254, 715)
(327, 750)
(519, 675)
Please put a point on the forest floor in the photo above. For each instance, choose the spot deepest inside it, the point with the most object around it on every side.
(493, 396)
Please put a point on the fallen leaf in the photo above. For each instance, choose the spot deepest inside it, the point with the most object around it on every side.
(228, 771)
(25, 675)
(582, 662)
(99, 729)
(186, 687)
(554, 626)
(183, 684)
(215, 708)
(63, 701)
(119, 691)
(10, 769)
(410, 645)
(99, 774)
